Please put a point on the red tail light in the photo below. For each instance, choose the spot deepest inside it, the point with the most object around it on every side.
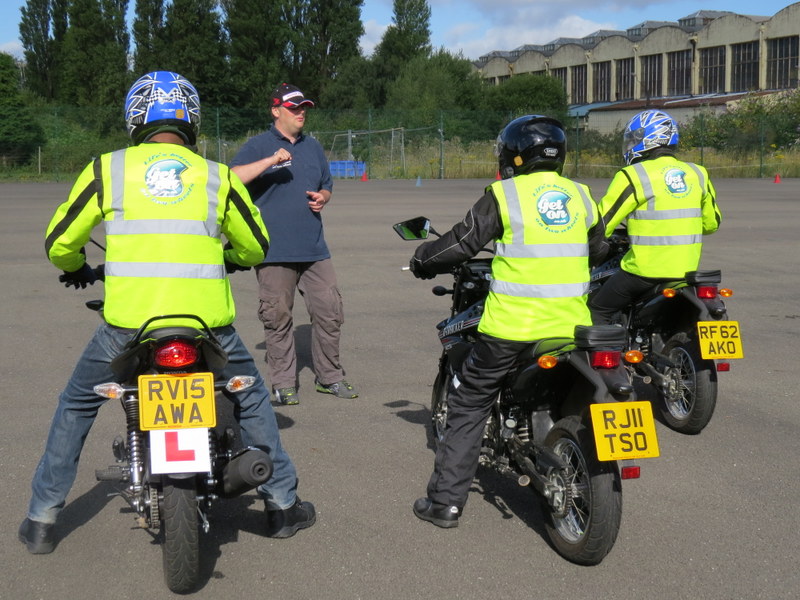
(631, 472)
(723, 366)
(605, 359)
(176, 354)
(707, 292)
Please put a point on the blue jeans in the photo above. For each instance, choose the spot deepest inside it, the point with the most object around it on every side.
(78, 406)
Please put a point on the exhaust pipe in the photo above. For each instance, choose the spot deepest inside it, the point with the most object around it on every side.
(247, 470)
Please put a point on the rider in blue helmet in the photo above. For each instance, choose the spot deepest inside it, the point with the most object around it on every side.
(666, 205)
(162, 101)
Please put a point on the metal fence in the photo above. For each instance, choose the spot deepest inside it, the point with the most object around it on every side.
(393, 144)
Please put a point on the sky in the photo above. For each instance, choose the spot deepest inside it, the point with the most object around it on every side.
(476, 27)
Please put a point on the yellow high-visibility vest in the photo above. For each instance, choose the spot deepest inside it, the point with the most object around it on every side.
(163, 208)
(541, 266)
(668, 205)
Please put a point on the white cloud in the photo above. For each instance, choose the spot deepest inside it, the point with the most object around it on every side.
(373, 32)
(519, 33)
(13, 48)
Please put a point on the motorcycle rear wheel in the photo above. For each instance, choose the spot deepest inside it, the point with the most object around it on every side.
(181, 534)
(689, 396)
(584, 527)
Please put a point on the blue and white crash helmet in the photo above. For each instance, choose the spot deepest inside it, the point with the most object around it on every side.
(162, 101)
(646, 131)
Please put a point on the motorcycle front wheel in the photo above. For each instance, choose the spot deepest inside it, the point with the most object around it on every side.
(689, 392)
(584, 516)
(180, 527)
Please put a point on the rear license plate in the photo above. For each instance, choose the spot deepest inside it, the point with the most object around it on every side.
(624, 430)
(720, 339)
(177, 401)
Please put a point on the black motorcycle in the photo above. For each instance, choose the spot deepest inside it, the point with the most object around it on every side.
(172, 464)
(566, 422)
(685, 337)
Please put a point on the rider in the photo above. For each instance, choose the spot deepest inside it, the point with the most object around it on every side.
(163, 208)
(546, 231)
(667, 204)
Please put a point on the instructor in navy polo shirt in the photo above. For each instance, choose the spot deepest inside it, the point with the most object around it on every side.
(288, 177)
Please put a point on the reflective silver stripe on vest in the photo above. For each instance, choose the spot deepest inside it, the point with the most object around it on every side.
(117, 183)
(700, 176)
(212, 191)
(514, 211)
(170, 270)
(528, 290)
(671, 240)
(659, 215)
(541, 250)
(587, 204)
(647, 185)
(158, 226)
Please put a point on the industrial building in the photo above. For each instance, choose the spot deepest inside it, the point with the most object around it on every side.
(703, 61)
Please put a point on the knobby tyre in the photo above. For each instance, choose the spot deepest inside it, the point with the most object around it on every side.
(180, 528)
(584, 527)
(689, 396)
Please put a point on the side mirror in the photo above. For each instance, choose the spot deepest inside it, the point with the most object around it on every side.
(413, 229)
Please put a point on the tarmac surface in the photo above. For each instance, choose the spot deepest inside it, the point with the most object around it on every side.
(715, 517)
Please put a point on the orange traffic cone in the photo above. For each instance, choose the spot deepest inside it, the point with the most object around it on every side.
(497, 177)
(364, 176)
(777, 178)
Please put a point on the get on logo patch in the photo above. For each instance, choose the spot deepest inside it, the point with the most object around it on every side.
(164, 182)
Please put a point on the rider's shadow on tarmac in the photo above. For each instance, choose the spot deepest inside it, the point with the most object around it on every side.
(510, 499)
(84, 508)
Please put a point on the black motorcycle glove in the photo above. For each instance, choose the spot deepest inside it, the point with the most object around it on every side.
(80, 278)
(233, 267)
(420, 272)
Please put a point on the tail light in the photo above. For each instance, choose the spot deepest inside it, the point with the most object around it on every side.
(630, 472)
(707, 292)
(176, 354)
(605, 359)
(724, 367)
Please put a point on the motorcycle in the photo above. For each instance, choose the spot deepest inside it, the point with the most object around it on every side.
(684, 334)
(566, 424)
(172, 463)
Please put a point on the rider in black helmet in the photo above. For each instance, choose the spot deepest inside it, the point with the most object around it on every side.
(546, 230)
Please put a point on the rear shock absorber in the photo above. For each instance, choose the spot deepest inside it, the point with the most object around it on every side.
(135, 443)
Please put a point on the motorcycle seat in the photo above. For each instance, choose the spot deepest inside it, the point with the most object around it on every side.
(550, 345)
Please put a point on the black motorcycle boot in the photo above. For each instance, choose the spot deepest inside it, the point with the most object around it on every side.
(285, 523)
(440, 515)
(37, 536)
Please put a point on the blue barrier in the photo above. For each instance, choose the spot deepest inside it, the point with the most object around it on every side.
(347, 168)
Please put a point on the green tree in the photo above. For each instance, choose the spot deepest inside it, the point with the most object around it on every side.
(257, 43)
(95, 55)
(19, 133)
(42, 26)
(524, 94)
(407, 37)
(148, 36)
(197, 48)
(332, 31)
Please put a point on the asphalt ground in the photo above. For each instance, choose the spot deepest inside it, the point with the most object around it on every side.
(715, 517)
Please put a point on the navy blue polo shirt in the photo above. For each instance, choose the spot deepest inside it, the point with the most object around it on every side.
(295, 231)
